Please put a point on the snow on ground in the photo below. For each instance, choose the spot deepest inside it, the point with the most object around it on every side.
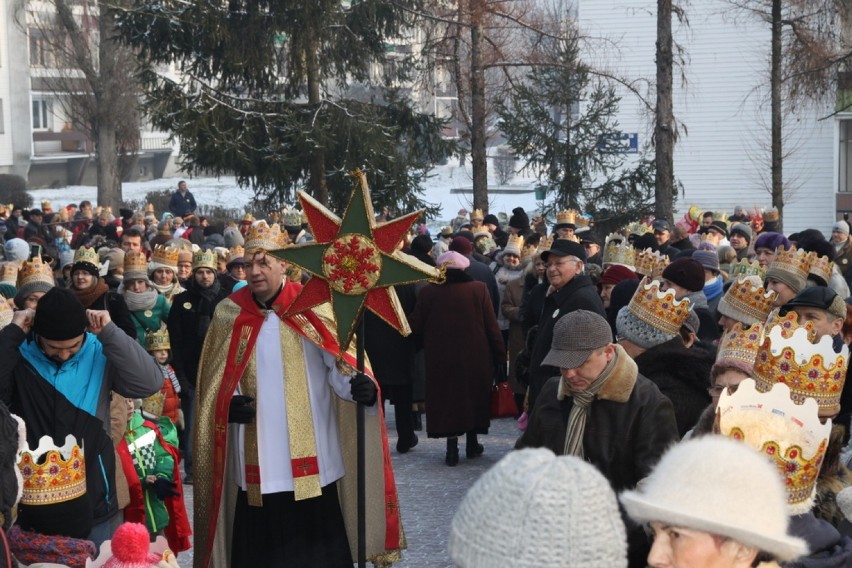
(443, 189)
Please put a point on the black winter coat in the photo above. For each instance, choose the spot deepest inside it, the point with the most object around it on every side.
(189, 319)
(578, 294)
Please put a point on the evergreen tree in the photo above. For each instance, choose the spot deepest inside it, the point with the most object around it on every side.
(267, 91)
(561, 122)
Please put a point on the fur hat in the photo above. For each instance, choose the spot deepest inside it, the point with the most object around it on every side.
(719, 486)
(771, 241)
(536, 509)
(686, 272)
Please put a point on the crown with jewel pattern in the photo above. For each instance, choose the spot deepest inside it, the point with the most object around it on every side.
(820, 266)
(793, 261)
(747, 301)
(85, 255)
(789, 434)
(167, 256)
(638, 228)
(477, 214)
(619, 252)
(135, 266)
(659, 309)
(35, 271)
(157, 340)
(205, 259)
(53, 474)
(743, 267)
(9, 273)
(738, 347)
(567, 216)
(810, 370)
(789, 323)
(265, 237)
(152, 407)
(292, 218)
(650, 263)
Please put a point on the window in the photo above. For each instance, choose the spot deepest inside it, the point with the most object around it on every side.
(42, 114)
(40, 52)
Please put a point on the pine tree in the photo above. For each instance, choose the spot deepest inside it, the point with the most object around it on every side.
(279, 94)
(561, 122)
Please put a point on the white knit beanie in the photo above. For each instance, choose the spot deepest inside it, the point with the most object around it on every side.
(534, 509)
(717, 485)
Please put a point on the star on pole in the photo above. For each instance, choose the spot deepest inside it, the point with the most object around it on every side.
(354, 262)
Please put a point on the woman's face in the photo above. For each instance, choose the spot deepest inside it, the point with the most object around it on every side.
(764, 256)
(138, 285)
(606, 293)
(163, 277)
(677, 547)
(82, 279)
(511, 259)
(540, 268)
(784, 292)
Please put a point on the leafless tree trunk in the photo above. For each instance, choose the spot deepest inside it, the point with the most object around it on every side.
(477, 105)
(317, 185)
(775, 97)
(664, 129)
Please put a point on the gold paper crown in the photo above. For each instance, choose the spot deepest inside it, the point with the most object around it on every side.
(771, 214)
(6, 313)
(477, 214)
(515, 241)
(738, 346)
(650, 263)
(153, 405)
(34, 271)
(157, 340)
(149, 208)
(566, 216)
(135, 266)
(820, 266)
(638, 228)
(265, 237)
(811, 370)
(545, 243)
(659, 309)
(791, 435)
(53, 475)
(619, 252)
(583, 221)
(248, 218)
(236, 252)
(721, 216)
(794, 261)
(167, 256)
(292, 218)
(743, 267)
(88, 256)
(205, 259)
(748, 299)
(46, 204)
(9, 273)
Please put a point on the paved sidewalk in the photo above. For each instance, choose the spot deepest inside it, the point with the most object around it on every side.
(429, 491)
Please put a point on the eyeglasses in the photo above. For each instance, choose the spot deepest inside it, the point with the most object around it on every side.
(561, 262)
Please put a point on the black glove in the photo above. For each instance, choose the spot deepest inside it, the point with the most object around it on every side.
(241, 411)
(363, 390)
(163, 488)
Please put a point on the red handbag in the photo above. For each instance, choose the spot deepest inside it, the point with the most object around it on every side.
(503, 401)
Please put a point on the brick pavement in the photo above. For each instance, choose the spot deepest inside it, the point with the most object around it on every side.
(429, 491)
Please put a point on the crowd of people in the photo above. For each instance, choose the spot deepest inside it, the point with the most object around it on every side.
(671, 367)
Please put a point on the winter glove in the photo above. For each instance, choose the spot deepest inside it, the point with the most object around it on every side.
(164, 488)
(241, 411)
(363, 390)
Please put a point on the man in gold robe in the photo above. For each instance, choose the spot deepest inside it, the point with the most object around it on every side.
(275, 445)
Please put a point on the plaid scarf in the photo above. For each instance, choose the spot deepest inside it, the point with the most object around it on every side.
(580, 410)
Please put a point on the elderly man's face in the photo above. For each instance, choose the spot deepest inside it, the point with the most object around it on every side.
(839, 237)
(562, 269)
(824, 322)
(580, 378)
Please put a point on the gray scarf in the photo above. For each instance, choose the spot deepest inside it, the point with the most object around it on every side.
(138, 301)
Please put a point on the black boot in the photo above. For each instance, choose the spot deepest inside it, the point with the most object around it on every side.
(418, 421)
(452, 458)
(473, 449)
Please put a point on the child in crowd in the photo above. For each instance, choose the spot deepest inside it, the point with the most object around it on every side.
(158, 346)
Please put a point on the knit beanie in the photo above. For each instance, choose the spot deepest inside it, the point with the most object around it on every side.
(685, 272)
(615, 273)
(491, 219)
(60, 316)
(233, 237)
(534, 509)
(519, 219)
(708, 259)
(840, 227)
(636, 331)
(129, 548)
(742, 229)
(115, 257)
(720, 486)
(16, 250)
(8, 290)
(461, 245)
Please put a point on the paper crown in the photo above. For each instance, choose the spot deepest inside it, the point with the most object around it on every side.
(568, 216)
(619, 252)
(292, 218)
(545, 243)
(638, 228)
(583, 221)
(153, 405)
(6, 313)
(248, 218)
(135, 266)
(167, 256)
(515, 242)
(205, 259)
(659, 309)
(721, 216)
(793, 261)
(747, 302)
(810, 370)
(738, 347)
(149, 208)
(771, 215)
(821, 267)
(650, 263)
(477, 214)
(791, 435)
(46, 204)
(265, 237)
(9, 273)
(743, 267)
(85, 255)
(236, 252)
(35, 271)
(157, 340)
(51, 474)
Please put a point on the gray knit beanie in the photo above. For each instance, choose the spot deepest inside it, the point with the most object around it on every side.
(16, 250)
(534, 509)
(233, 237)
(637, 331)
